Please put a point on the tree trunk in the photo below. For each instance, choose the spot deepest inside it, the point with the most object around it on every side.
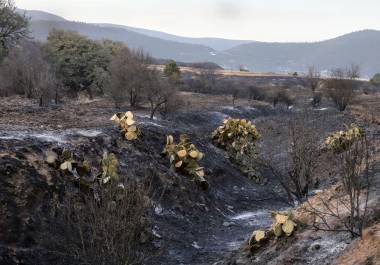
(56, 97)
(90, 95)
(132, 99)
(155, 108)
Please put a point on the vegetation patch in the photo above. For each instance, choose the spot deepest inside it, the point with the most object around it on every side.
(127, 124)
(341, 140)
(81, 172)
(110, 166)
(283, 225)
(238, 137)
(184, 158)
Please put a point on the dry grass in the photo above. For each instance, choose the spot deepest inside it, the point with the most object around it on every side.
(197, 101)
(367, 108)
(104, 228)
(236, 73)
(363, 251)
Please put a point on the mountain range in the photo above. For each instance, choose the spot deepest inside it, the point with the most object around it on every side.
(362, 47)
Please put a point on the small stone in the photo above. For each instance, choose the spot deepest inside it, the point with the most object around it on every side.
(158, 210)
(195, 245)
(241, 261)
(316, 247)
(228, 224)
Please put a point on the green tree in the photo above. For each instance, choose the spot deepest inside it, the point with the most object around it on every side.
(376, 79)
(172, 71)
(77, 60)
(13, 26)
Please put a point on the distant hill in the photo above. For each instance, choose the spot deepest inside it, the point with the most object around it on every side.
(362, 47)
(40, 15)
(217, 44)
(158, 48)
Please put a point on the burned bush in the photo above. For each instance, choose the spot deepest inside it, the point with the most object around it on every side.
(106, 223)
(25, 72)
(107, 229)
(341, 85)
(349, 204)
(296, 174)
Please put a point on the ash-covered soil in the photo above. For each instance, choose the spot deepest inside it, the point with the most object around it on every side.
(190, 225)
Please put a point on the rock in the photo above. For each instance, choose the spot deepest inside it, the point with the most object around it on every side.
(316, 247)
(195, 245)
(228, 224)
(241, 261)
(158, 210)
(156, 234)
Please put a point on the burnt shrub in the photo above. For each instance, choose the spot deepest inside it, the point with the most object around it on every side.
(281, 96)
(256, 93)
(317, 99)
(108, 226)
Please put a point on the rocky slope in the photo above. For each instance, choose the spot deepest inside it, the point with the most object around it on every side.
(190, 225)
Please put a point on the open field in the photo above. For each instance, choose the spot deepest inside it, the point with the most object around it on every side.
(236, 73)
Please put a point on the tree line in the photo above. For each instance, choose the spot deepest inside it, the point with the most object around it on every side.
(68, 64)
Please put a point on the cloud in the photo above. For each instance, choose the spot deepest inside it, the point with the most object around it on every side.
(228, 10)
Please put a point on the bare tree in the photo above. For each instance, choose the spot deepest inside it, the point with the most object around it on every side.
(256, 93)
(173, 104)
(313, 78)
(208, 77)
(26, 72)
(353, 71)
(340, 87)
(349, 206)
(235, 91)
(296, 171)
(281, 95)
(127, 76)
(158, 90)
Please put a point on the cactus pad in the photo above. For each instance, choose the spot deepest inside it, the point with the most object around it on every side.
(184, 158)
(127, 124)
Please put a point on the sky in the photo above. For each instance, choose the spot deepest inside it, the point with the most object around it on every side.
(260, 20)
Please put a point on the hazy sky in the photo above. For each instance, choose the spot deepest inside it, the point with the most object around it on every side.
(263, 20)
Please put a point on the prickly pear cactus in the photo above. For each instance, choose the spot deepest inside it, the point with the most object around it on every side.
(238, 137)
(110, 167)
(51, 158)
(127, 124)
(79, 171)
(283, 224)
(258, 239)
(184, 157)
(340, 141)
(67, 164)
